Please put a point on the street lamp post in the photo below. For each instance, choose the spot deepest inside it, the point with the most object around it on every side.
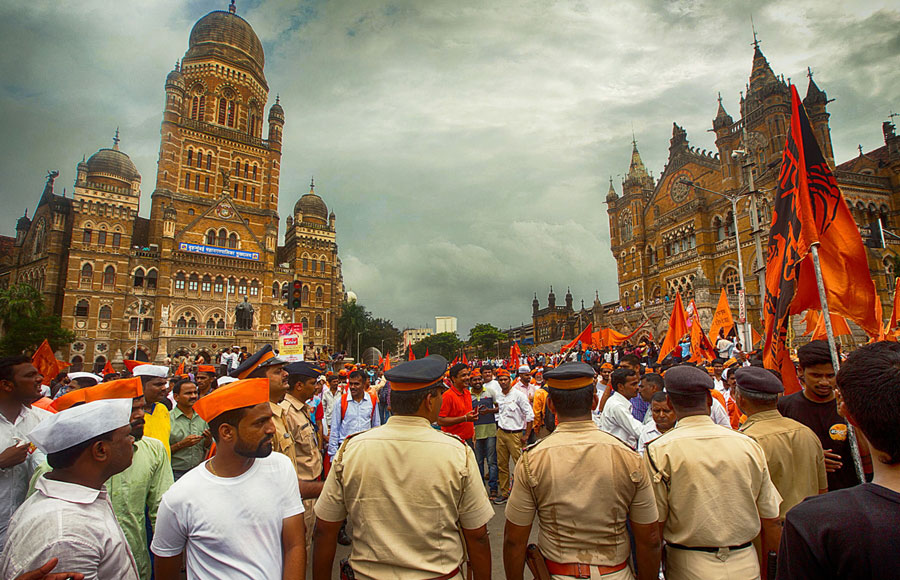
(748, 336)
(358, 334)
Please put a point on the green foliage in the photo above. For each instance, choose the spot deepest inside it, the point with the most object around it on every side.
(484, 337)
(446, 344)
(357, 322)
(27, 322)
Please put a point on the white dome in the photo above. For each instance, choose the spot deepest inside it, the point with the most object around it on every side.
(351, 296)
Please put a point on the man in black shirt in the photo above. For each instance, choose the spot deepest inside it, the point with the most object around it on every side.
(816, 408)
(852, 533)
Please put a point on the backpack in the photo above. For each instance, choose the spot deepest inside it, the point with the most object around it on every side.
(549, 416)
(344, 404)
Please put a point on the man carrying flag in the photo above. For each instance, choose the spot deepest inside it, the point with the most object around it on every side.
(810, 211)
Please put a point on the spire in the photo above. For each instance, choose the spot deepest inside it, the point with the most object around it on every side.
(814, 95)
(312, 184)
(723, 119)
(611, 194)
(636, 170)
(232, 8)
(116, 140)
(761, 73)
(277, 97)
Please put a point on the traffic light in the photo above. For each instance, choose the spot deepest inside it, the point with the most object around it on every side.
(296, 290)
(286, 296)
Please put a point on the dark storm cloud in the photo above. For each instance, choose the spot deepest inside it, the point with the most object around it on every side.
(465, 147)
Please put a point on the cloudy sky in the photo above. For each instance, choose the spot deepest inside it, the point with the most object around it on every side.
(465, 146)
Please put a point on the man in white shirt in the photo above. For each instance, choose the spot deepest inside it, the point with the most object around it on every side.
(617, 419)
(329, 394)
(70, 515)
(490, 383)
(663, 419)
(261, 534)
(718, 365)
(20, 385)
(724, 346)
(514, 421)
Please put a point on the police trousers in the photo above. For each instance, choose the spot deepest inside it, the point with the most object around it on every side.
(730, 565)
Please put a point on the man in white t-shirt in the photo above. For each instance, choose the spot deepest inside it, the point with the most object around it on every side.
(239, 515)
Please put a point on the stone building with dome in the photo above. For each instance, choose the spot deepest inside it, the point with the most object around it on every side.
(137, 288)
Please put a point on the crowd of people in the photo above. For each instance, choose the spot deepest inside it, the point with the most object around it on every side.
(259, 469)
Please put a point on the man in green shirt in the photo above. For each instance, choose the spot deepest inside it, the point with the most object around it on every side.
(137, 490)
(189, 437)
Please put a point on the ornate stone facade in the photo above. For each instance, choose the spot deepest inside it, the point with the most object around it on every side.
(168, 285)
(668, 235)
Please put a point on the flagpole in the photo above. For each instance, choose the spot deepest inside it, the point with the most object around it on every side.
(835, 361)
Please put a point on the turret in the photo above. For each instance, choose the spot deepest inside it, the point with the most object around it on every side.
(611, 195)
(276, 124)
(175, 91)
(535, 305)
(723, 120)
(568, 299)
(22, 226)
(551, 299)
(816, 102)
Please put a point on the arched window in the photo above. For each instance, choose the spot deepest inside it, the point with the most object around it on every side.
(195, 105)
(181, 323)
(242, 286)
(82, 308)
(253, 194)
(223, 111)
(193, 282)
(187, 180)
(731, 281)
(729, 225)
(625, 226)
(101, 238)
(179, 281)
(116, 240)
(211, 238)
(210, 324)
(223, 238)
(208, 160)
(221, 323)
(304, 295)
(105, 313)
(219, 285)
(109, 276)
(86, 236)
(87, 275)
(232, 285)
(304, 322)
(320, 295)
(232, 241)
(305, 264)
(252, 123)
(190, 158)
(199, 159)
(192, 323)
(254, 288)
(206, 284)
(254, 172)
(275, 289)
(151, 280)
(246, 169)
(197, 182)
(205, 185)
(244, 193)
(719, 227)
(139, 278)
(319, 322)
(232, 113)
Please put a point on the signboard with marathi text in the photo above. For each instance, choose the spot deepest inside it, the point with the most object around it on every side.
(290, 342)
(214, 251)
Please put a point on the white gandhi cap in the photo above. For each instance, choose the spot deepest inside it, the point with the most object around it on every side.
(224, 380)
(151, 371)
(79, 424)
(81, 375)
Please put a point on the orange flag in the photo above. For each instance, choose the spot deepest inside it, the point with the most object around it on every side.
(811, 320)
(677, 329)
(387, 362)
(411, 356)
(46, 363)
(131, 364)
(426, 351)
(180, 370)
(838, 327)
(810, 209)
(722, 319)
(514, 353)
(108, 369)
(756, 336)
(701, 348)
(584, 338)
(465, 360)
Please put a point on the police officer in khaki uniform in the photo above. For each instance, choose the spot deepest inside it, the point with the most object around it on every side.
(584, 485)
(712, 489)
(264, 364)
(793, 452)
(302, 382)
(413, 495)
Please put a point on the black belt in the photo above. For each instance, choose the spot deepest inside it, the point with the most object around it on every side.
(519, 431)
(707, 548)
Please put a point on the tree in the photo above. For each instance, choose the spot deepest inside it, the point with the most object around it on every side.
(380, 333)
(484, 337)
(446, 344)
(351, 322)
(26, 322)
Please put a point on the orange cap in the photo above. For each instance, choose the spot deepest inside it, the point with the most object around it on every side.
(206, 369)
(235, 395)
(118, 389)
(501, 372)
(130, 364)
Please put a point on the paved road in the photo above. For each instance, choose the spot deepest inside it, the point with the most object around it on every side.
(495, 529)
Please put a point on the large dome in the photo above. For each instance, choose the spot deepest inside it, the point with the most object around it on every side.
(311, 206)
(114, 163)
(229, 37)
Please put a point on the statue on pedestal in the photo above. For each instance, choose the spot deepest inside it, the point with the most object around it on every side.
(243, 316)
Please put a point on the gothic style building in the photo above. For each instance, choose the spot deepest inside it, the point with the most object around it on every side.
(132, 287)
(676, 233)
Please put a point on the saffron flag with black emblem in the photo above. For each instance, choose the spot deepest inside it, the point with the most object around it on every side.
(809, 209)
